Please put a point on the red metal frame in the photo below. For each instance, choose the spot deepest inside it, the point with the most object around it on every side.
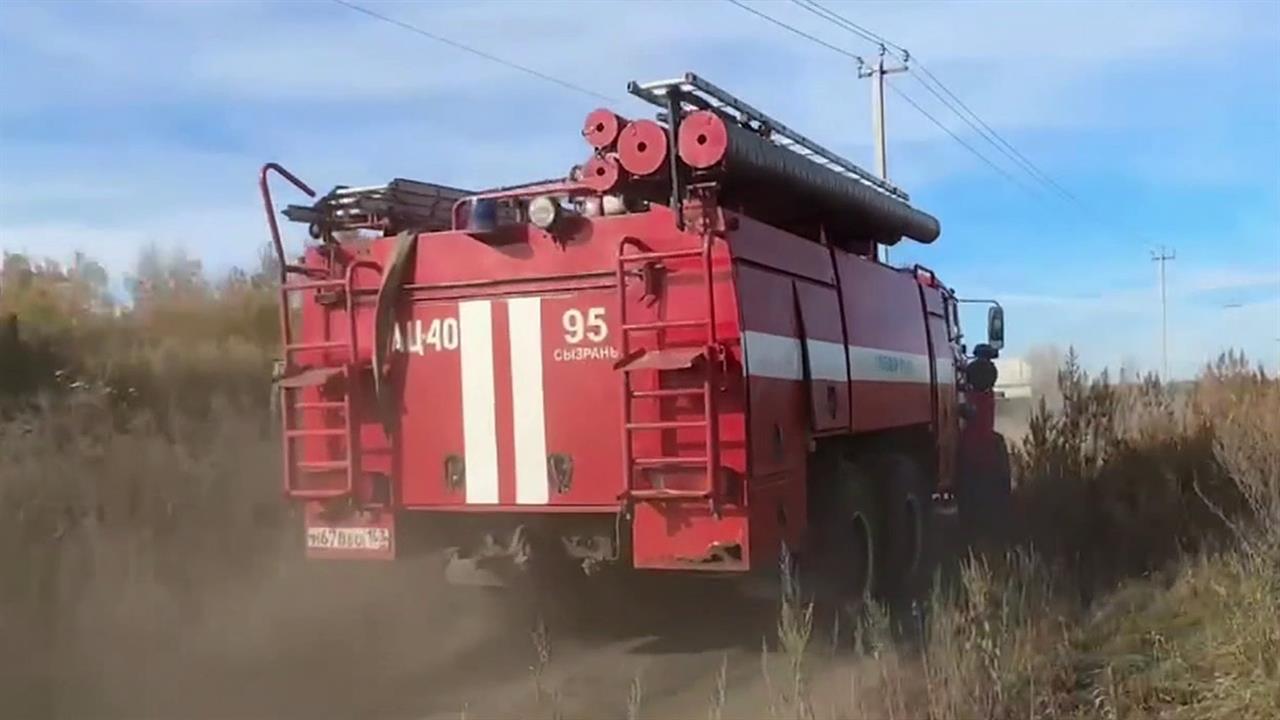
(565, 188)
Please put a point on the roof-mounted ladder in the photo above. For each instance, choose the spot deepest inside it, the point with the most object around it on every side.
(695, 93)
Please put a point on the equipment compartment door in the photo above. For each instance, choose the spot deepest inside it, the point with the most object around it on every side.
(511, 401)
(581, 395)
(825, 358)
(943, 372)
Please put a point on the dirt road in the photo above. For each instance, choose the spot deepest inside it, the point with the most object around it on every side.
(328, 641)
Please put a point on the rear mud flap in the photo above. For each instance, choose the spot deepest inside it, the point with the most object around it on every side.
(689, 536)
(479, 571)
(493, 563)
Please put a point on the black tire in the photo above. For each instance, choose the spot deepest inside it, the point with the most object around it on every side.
(910, 555)
(1000, 520)
(1002, 476)
(845, 568)
(985, 495)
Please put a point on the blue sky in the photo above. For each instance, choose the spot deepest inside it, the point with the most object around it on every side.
(126, 124)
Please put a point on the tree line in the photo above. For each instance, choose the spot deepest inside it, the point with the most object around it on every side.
(169, 334)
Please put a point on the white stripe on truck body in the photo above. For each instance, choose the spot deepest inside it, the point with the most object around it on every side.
(524, 316)
(479, 421)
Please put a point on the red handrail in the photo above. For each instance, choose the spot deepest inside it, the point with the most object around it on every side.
(351, 305)
(269, 206)
(265, 188)
(568, 188)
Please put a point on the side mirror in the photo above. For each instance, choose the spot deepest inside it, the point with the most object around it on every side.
(995, 327)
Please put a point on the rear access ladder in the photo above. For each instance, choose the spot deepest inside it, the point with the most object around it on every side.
(659, 358)
(343, 374)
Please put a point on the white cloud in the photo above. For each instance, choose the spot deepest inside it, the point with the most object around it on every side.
(1205, 279)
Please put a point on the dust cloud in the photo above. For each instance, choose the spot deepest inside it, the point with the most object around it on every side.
(313, 639)
(294, 639)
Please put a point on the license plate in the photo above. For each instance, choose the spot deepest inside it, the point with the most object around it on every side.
(349, 538)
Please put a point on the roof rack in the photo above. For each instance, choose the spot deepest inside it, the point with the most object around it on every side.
(698, 94)
(399, 205)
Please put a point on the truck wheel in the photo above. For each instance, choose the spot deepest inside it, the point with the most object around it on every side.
(847, 567)
(907, 572)
(986, 495)
(1001, 489)
(1003, 476)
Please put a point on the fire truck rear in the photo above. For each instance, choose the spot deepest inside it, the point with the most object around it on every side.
(685, 356)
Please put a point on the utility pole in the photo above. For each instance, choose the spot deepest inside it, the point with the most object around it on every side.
(1163, 257)
(877, 73)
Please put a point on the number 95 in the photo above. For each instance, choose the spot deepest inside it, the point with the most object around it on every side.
(591, 326)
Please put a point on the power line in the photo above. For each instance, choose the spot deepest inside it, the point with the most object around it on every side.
(1027, 163)
(1008, 175)
(994, 140)
(1029, 168)
(862, 62)
(799, 32)
(951, 100)
(814, 7)
(478, 53)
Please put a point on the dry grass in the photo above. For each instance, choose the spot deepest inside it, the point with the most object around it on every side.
(1112, 485)
(1146, 582)
(104, 523)
(153, 573)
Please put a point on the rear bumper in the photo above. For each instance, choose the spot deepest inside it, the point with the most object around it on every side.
(516, 509)
(666, 535)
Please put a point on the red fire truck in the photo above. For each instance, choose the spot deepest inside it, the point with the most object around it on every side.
(685, 356)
